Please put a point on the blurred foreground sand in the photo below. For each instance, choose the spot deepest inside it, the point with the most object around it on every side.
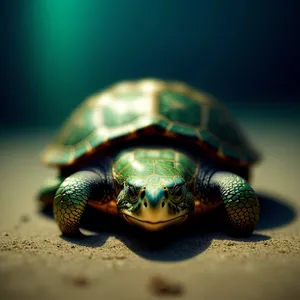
(37, 263)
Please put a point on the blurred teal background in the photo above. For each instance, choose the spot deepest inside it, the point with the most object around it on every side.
(54, 53)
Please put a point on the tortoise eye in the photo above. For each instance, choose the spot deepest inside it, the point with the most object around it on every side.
(178, 190)
(131, 190)
(178, 193)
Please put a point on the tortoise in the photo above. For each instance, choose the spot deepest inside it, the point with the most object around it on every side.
(155, 152)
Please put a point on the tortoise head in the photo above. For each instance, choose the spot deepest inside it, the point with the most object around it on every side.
(156, 201)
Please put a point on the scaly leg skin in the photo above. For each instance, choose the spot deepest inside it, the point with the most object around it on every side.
(73, 195)
(240, 200)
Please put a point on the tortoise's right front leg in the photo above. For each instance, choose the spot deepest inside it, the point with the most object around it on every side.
(74, 194)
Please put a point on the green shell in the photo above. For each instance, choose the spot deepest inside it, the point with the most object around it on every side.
(126, 110)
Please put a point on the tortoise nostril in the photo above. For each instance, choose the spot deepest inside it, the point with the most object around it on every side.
(143, 194)
(163, 204)
(166, 194)
(145, 203)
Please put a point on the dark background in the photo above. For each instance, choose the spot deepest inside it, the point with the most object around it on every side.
(56, 52)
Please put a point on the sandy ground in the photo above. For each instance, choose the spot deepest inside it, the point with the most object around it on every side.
(115, 262)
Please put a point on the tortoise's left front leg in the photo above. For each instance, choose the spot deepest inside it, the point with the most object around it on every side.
(235, 193)
(74, 194)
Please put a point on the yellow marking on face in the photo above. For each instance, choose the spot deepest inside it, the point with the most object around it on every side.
(154, 226)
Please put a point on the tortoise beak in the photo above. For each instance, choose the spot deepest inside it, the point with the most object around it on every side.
(154, 225)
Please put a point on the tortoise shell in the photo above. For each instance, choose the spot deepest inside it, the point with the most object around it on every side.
(132, 109)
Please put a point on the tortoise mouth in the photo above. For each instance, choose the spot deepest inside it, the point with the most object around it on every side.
(158, 225)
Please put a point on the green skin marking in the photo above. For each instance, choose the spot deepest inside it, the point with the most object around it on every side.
(153, 189)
